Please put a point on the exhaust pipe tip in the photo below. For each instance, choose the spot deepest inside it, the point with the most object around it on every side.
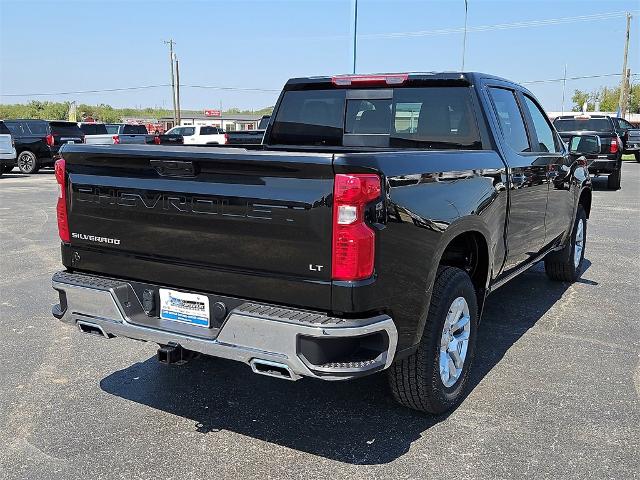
(92, 329)
(273, 369)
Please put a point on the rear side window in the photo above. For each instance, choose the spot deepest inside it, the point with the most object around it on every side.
(510, 119)
(546, 138)
(65, 128)
(100, 129)
(36, 128)
(4, 130)
(188, 131)
(134, 130)
(209, 131)
(310, 117)
(18, 129)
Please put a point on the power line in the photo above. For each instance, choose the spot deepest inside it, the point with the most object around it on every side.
(499, 26)
(79, 92)
(259, 90)
(582, 77)
(142, 87)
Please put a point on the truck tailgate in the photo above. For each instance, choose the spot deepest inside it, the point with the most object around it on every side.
(216, 220)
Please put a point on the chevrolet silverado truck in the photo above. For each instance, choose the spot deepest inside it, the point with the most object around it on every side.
(608, 161)
(364, 235)
(249, 137)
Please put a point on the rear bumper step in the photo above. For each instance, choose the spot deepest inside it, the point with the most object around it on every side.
(275, 341)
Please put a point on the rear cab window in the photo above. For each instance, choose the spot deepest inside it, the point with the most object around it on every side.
(93, 129)
(583, 124)
(134, 130)
(66, 129)
(409, 117)
(4, 130)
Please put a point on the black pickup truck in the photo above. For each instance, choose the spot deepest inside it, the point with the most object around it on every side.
(248, 137)
(608, 161)
(365, 235)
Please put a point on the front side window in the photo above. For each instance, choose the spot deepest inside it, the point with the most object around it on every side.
(510, 119)
(546, 138)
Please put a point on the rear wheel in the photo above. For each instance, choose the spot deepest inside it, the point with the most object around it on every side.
(566, 265)
(433, 379)
(28, 162)
(613, 181)
(637, 155)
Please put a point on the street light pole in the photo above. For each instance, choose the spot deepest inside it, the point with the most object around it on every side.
(564, 86)
(464, 37)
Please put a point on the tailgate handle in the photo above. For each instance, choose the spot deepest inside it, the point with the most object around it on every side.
(173, 168)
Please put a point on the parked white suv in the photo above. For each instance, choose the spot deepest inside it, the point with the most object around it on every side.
(200, 134)
(7, 149)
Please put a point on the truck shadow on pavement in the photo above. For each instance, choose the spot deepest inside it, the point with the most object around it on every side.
(354, 422)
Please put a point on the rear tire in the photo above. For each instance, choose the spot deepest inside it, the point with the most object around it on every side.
(28, 162)
(430, 380)
(637, 155)
(566, 265)
(613, 181)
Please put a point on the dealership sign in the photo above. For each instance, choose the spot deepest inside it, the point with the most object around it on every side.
(213, 113)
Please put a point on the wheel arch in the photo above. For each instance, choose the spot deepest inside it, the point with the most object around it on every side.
(466, 236)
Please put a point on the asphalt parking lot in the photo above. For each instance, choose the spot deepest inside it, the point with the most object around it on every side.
(555, 390)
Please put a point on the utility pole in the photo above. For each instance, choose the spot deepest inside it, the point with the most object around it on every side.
(564, 86)
(622, 105)
(464, 37)
(178, 90)
(354, 14)
(171, 43)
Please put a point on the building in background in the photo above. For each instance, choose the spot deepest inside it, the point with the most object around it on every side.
(215, 118)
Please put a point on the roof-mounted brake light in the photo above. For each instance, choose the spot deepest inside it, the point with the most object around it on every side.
(348, 80)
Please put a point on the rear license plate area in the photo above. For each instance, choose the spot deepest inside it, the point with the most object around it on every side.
(183, 307)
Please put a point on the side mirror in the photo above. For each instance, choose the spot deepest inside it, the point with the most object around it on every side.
(584, 145)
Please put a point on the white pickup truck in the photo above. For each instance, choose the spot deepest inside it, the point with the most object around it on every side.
(200, 134)
(128, 133)
(96, 133)
(7, 149)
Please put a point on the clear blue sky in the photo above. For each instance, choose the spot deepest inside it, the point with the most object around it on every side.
(65, 45)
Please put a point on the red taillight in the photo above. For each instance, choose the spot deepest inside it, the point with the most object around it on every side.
(226, 138)
(347, 80)
(614, 146)
(156, 140)
(353, 251)
(50, 140)
(116, 139)
(61, 207)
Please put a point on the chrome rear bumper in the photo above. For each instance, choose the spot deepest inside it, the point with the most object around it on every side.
(251, 333)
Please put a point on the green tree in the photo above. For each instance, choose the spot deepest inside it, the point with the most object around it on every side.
(607, 97)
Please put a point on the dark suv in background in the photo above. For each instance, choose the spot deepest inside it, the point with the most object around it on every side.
(38, 141)
(609, 160)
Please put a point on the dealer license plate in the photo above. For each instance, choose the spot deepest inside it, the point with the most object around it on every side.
(190, 308)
